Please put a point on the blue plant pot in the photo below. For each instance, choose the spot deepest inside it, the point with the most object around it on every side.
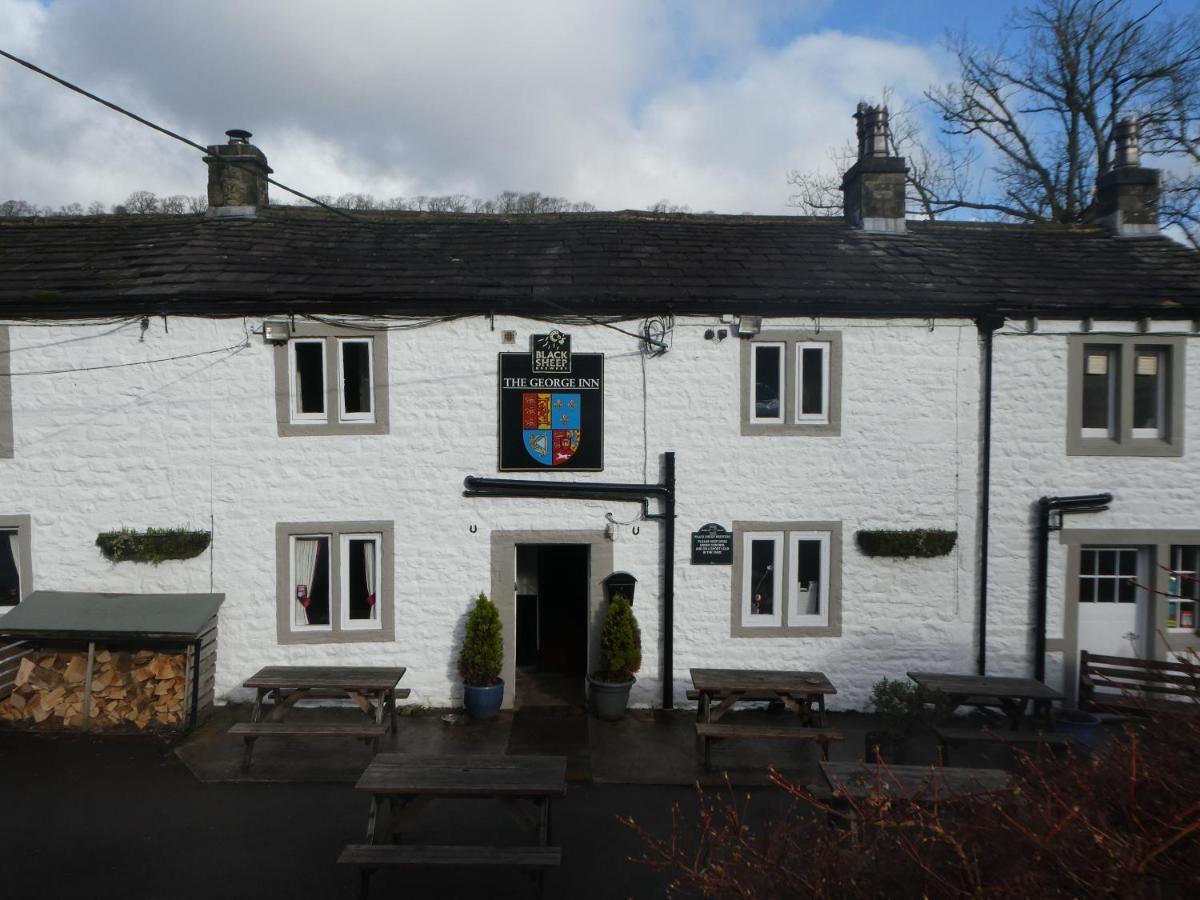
(483, 702)
(1080, 725)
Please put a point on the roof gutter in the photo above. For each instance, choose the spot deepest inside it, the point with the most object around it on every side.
(1050, 514)
(474, 486)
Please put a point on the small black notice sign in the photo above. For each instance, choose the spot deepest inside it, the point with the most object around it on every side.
(712, 545)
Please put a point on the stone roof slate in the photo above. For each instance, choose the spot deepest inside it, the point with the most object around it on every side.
(628, 263)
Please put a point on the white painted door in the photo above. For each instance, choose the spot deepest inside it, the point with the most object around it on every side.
(1111, 605)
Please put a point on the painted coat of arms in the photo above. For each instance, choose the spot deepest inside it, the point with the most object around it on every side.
(551, 426)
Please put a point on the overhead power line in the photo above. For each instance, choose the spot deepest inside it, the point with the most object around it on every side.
(168, 132)
(495, 282)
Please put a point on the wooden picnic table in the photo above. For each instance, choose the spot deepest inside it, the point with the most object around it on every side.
(801, 692)
(373, 688)
(858, 780)
(404, 783)
(1011, 695)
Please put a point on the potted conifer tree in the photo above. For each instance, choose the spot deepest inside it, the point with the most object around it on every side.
(620, 658)
(480, 660)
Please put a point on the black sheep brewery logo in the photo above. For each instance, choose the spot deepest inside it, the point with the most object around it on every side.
(551, 354)
(551, 407)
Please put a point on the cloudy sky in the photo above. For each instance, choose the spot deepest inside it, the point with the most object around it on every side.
(616, 102)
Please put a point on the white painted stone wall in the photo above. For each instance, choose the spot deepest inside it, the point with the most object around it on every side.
(1029, 461)
(193, 442)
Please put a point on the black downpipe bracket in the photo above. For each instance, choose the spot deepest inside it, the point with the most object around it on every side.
(474, 486)
(1046, 522)
(988, 326)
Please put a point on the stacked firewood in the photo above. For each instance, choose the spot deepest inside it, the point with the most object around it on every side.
(140, 688)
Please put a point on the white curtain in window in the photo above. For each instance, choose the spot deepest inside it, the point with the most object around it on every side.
(306, 573)
(369, 572)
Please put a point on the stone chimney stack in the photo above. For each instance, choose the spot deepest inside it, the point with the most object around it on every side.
(1127, 195)
(874, 185)
(237, 176)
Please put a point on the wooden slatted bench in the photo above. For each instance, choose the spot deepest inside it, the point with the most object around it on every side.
(1119, 684)
(709, 732)
(957, 737)
(371, 732)
(320, 694)
(369, 857)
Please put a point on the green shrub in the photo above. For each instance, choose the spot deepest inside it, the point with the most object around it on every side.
(483, 648)
(620, 642)
(900, 705)
(919, 542)
(154, 545)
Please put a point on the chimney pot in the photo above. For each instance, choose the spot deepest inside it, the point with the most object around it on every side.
(1126, 135)
(874, 186)
(1127, 195)
(237, 176)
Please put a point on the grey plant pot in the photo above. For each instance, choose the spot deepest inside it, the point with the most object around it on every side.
(609, 698)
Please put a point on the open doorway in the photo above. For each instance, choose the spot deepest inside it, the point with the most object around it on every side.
(552, 611)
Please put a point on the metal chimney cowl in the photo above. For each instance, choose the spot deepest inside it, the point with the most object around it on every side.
(237, 176)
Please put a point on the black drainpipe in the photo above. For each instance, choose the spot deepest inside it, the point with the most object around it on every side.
(475, 486)
(1047, 507)
(988, 326)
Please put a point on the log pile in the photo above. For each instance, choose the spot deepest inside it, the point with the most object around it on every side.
(141, 688)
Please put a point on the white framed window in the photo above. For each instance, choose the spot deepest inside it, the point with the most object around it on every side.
(766, 376)
(1108, 575)
(312, 591)
(1183, 588)
(335, 581)
(356, 399)
(16, 575)
(330, 380)
(762, 583)
(808, 577)
(10, 568)
(360, 580)
(306, 365)
(791, 382)
(1100, 391)
(786, 579)
(1125, 395)
(812, 382)
(1150, 391)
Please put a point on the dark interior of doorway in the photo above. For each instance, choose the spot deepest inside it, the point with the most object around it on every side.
(552, 623)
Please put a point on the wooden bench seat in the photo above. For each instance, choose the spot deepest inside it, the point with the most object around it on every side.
(708, 732)
(369, 857)
(1137, 686)
(948, 737)
(252, 731)
(335, 694)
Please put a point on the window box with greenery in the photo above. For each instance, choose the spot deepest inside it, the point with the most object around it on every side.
(154, 545)
(481, 658)
(620, 659)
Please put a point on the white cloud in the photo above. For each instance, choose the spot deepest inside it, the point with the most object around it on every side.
(619, 103)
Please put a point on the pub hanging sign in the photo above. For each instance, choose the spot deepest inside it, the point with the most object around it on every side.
(551, 407)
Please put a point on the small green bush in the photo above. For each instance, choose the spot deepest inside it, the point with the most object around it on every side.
(154, 545)
(620, 642)
(918, 542)
(483, 648)
(900, 705)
